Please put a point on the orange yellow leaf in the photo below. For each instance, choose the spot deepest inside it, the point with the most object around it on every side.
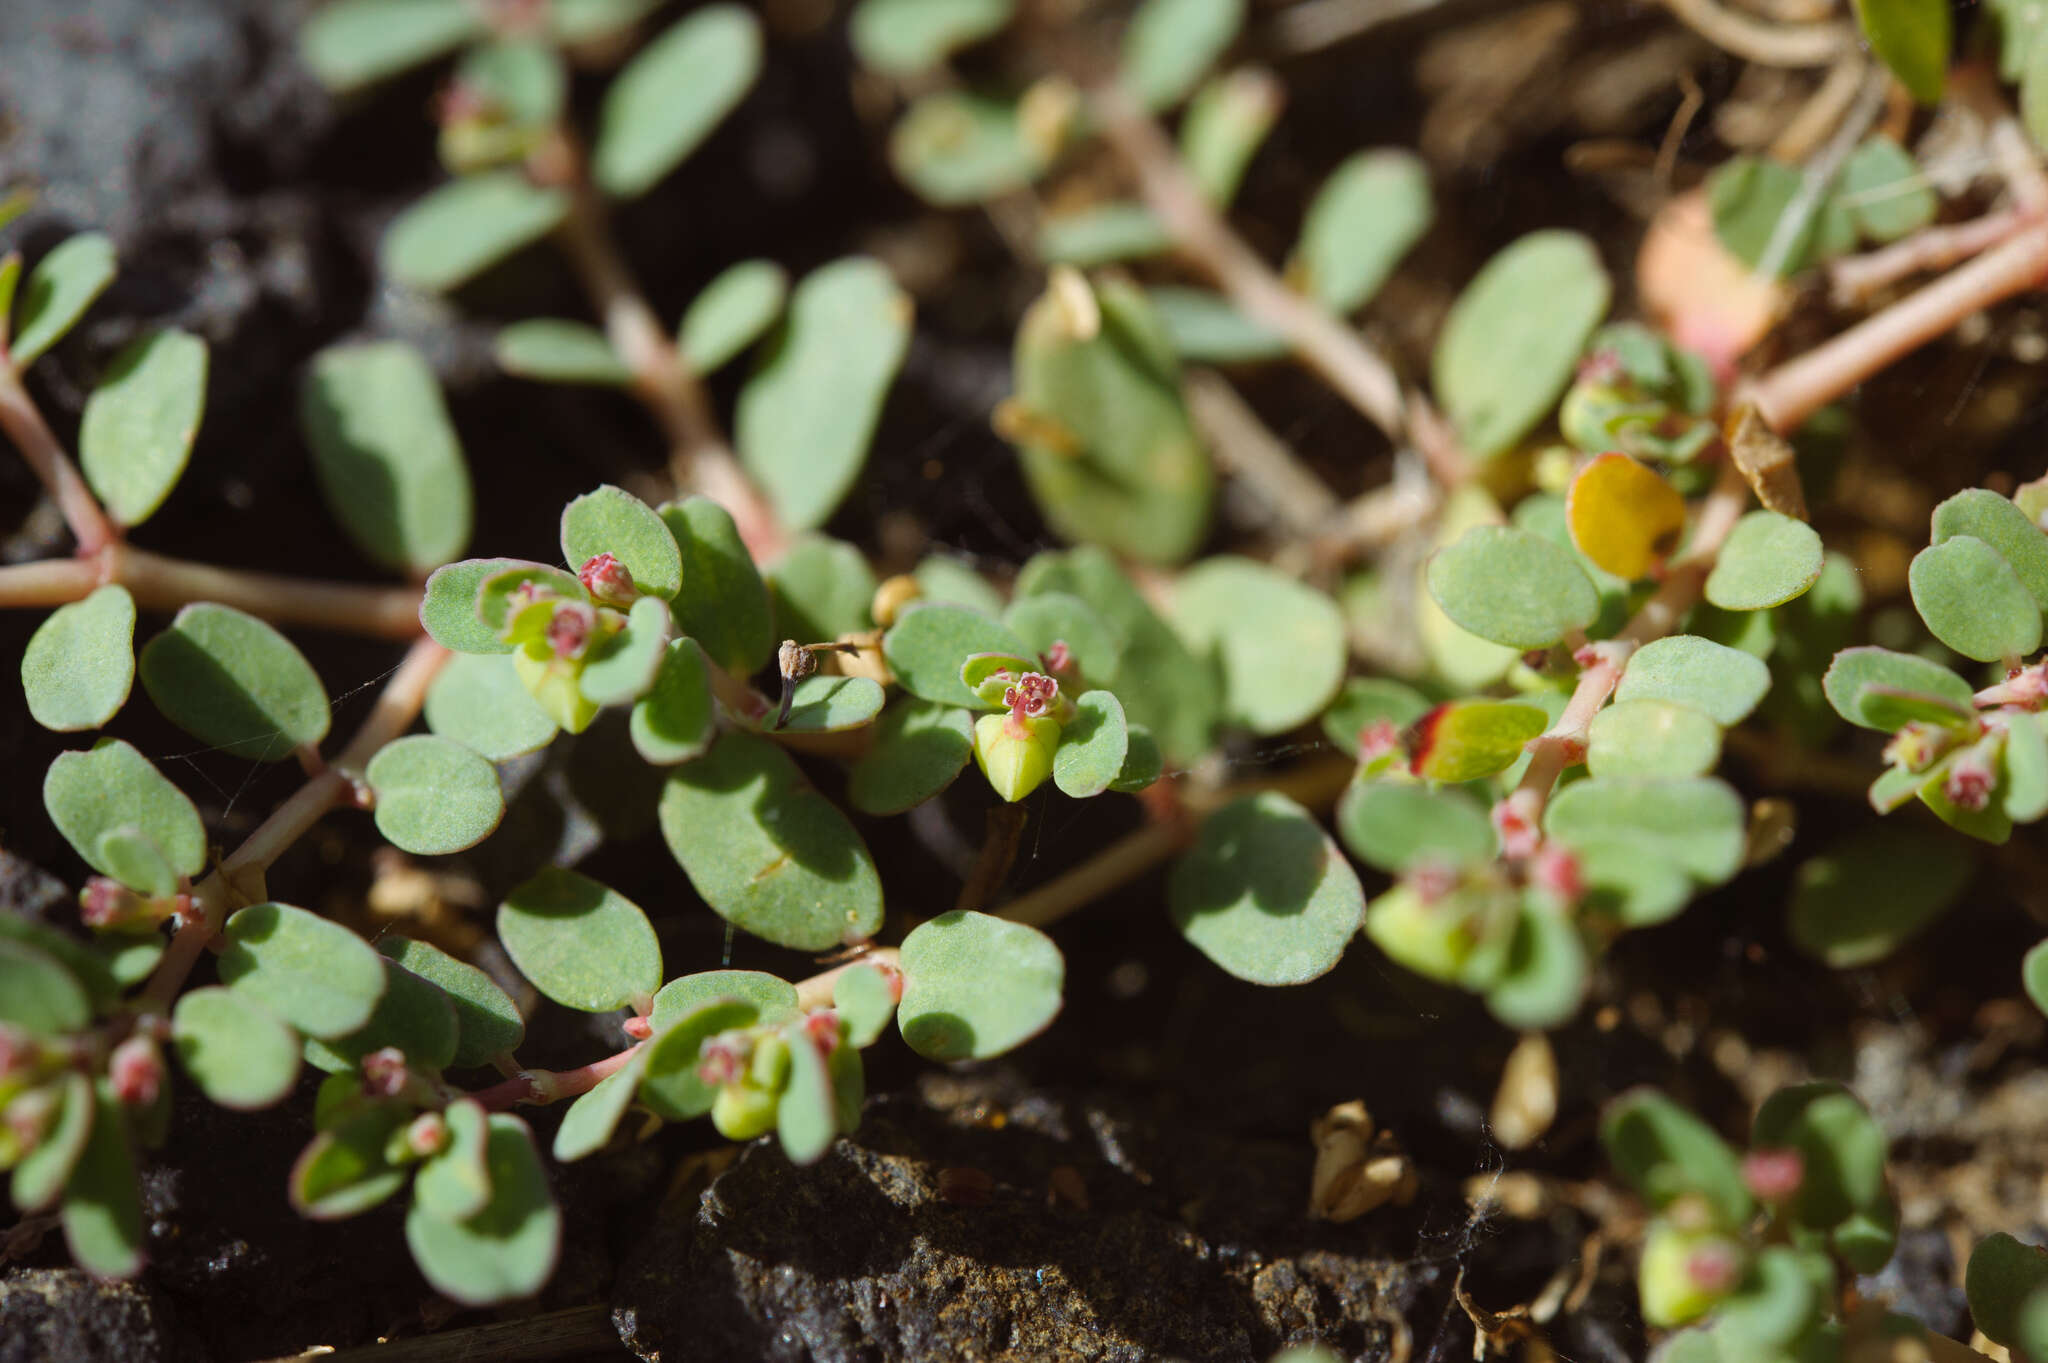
(1624, 516)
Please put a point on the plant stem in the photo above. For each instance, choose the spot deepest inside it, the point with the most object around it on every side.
(537, 1088)
(1760, 40)
(816, 992)
(1325, 344)
(32, 436)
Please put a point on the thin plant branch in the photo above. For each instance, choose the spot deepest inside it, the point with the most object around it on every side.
(46, 457)
(1794, 46)
(1852, 280)
(1246, 450)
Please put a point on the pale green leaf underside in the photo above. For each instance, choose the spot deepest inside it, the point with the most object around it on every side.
(583, 945)
(230, 680)
(79, 665)
(1265, 894)
(434, 796)
(671, 95)
(314, 974)
(975, 986)
(139, 424)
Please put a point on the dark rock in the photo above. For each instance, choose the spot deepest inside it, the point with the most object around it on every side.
(1192, 1245)
(60, 1315)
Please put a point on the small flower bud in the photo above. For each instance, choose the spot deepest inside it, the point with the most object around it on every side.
(1059, 658)
(608, 581)
(1685, 1273)
(384, 1073)
(1378, 742)
(892, 596)
(570, 629)
(105, 903)
(1971, 777)
(1519, 836)
(794, 661)
(1556, 869)
(1433, 881)
(823, 1029)
(1773, 1175)
(427, 1134)
(1032, 696)
(1917, 744)
(136, 1071)
(639, 1029)
(742, 1112)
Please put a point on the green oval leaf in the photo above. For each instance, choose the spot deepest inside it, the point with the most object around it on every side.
(1366, 216)
(1398, 825)
(955, 149)
(138, 862)
(824, 705)
(2003, 1273)
(487, 1022)
(40, 1177)
(554, 350)
(1282, 645)
(1886, 191)
(910, 37)
(342, 1171)
(1544, 976)
(614, 521)
(2023, 794)
(865, 1001)
(1466, 740)
(588, 1125)
(1912, 38)
(1512, 587)
(415, 1016)
(62, 286)
(1171, 44)
(449, 608)
(1843, 1147)
(1856, 902)
(454, 1183)
(316, 975)
(1512, 340)
(386, 454)
(1652, 738)
(1856, 669)
(1723, 683)
(807, 1116)
(821, 589)
(230, 680)
(670, 96)
(90, 794)
(673, 1088)
(235, 1049)
(477, 700)
(1206, 328)
(79, 665)
(731, 313)
(807, 415)
(929, 642)
(434, 796)
(1265, 894)
(1102, 235)
(773, 998)
(1698, 825)
(507, 1250)
(102, 1210)
(38, 993)
(137, 431)
(624, 667)
(727, 609)
(675, 721)
(1769, 559)
(1092, 746)
(1983, 514)
(583, 945)
(352, 43)
(1973, 601)
(920, 747)
(767, 852)
(1048, 618)
(1666, 1152)
(466, 226)
(975, 986)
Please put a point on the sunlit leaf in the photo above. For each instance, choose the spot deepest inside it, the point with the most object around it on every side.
(726, 610)
(455, 1182)
(821, 589)
(1092, 746)
(1767, 560)
(928, 643)
(79, 665)
(1171, 44)
(1046, 619)
(671, 95)
(1265, 894)
(433, 796)
(1366, 216)
(449, 606)
(955, 148)
(732, 312)
(89, 794)
(773, 998)
(139, 423)
(1464, 740)
(1652, 738)
(865, 1001)
(230, 680)
(1207, 328)
(466, 226)
(675, 721)
(1973, 601)
(1281, 644)
(553, 350)
(1697, 824)
(1855, 669)
(1624, 516)
(415, 1016)
(352, 43)
(807, 1117)
(235, 1049)
(62, 286)
(909, 37)
(1982, 513)
(478, 701)
(588, 1125)
(1721, 682)
(584, 946)
(1912, 38)
(613, 521)
(920, 747)
(314, 974)
(1512, 587)
(975, 986)
(1398, 825)
(672, 1087)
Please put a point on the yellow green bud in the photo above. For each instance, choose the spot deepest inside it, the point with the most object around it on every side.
(1015, 753)
(742, 1112)
(1685, 1272)
(552, 682)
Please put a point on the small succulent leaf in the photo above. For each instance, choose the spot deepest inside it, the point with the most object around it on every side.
(727, 609)
(675, 721)
(1544, 977)
(731, 313)
(1859, 900)
(1204, 327)
(1396, 826)
(1666, 1152)
(865, 1001)
(1855, 669)
(1698, 825)
(314, 974)
(975, 986)
(1102, 234)
(1911, 37)
(137, 431)
(507, 1250)
(455, 1182)
(1842, 1149)
(1164, 688)
(1459, 659)
(522, 80)
(1266, 894)
(821, 589)
(1633, 890)
(38, 993)
(1781, 1301)
(434, 796)
(1768, 559)
(807, 1117)
(614, 521)
(1364, 219)
(911, 37)
(942, 577)
(477, 700)
(353, 43)
(807, 415)
(487, 1022)
(1512, 587)
(1226, 123)
(342, 1172)
(1894, 788)
(1466, 740)
(1889, 708)
(88, 966)
(920, 747)
(238, 1051)
(386, 454)
(956, 149)
(824, 705)
(1171, 44)
(415, 1015)
(1750, 198)
(1049, 618)
(1365, 701)
(2002, 1275)
(1973, 601)
(231, 680)
(1724, 683)
(555, 350)
(102, 1212)
(930, 642)
(1093, 746)
(1885, 190)
(1282, 645)
(128, 961)
(771, 996)
(623, 668)
(1624, 517)
(89, 794)
(585, 946)
(138, 862)
(61, 287)
(79, 665)
(672, 1086)
(2023, 794)
(466, 226)
(40, 1177)
(1983, 514)
(1512, 340)
(766, 851)
(451, 604)
(1987, 823)
(1015, 753)
(670, 97)
(1652, 738)
(1143, 762)
(588, 1125)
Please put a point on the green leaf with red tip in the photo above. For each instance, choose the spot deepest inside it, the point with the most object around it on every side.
(1365, 701)
(1465, 740)
(455, 1182)
(865, 1001)
(807, 1117)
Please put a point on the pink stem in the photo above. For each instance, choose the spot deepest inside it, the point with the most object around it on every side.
(536, 1088)
(31, 435)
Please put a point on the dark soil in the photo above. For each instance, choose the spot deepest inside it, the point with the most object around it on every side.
(247, 203)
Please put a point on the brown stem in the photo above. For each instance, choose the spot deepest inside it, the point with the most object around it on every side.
(1760, 40)
(998, 855)
(45, 455)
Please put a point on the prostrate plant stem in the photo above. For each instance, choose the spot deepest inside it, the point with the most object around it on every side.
(32, 436)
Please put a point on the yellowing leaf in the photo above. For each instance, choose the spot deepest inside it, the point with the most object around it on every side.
(1624, 516)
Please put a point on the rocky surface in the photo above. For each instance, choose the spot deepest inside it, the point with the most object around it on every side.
(47, 1315)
